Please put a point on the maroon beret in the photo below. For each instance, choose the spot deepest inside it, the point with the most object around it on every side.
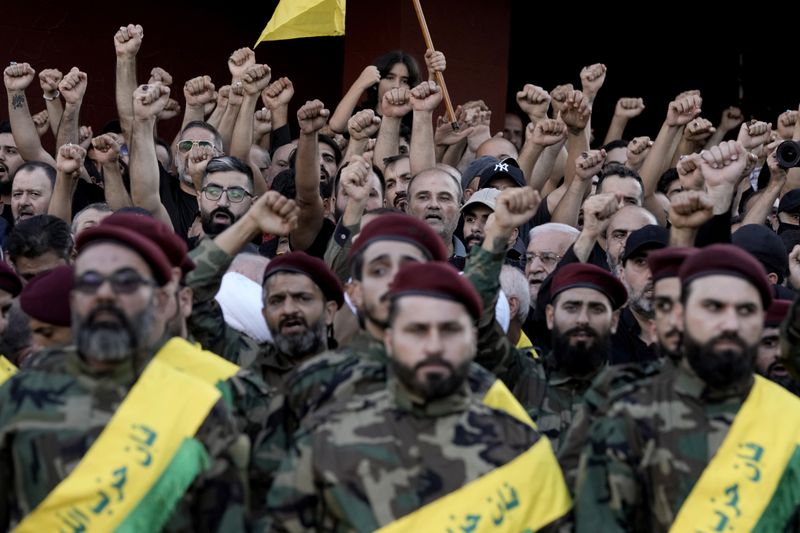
(314, 268)
(727, 260)
(400, 227)
(147, 249)
(9, 281)
(776, 313)
(666, 262)
(46, 297)
(165, 238)
(437, 279)
(589, 276)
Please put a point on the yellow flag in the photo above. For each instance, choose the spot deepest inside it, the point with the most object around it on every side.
(294, 19)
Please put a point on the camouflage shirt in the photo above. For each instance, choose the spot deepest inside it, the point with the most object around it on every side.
(369, 460)
(207, 323)
(612, 382)
(50, 417)
(644, 457)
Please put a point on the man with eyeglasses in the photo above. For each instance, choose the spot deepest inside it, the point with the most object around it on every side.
(226, 194)
(120, 384)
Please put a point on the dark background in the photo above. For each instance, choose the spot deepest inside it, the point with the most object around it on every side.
(748, 57)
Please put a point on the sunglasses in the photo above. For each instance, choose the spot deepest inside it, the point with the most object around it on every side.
(235, 194)
(126, 281)
(185, 146)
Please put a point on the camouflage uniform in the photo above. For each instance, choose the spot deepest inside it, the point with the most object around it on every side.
(551, 398)
(790, 340)
(645, 456)
(612, 382)
(367, 461)
(49, 418)
(207, 323)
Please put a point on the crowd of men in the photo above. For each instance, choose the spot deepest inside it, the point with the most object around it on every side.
(366, 319)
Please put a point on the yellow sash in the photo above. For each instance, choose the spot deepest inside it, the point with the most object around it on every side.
(500, 398)
(195, 361)
(739, 482)
(163, 410)
(523, 495)
(7, 369)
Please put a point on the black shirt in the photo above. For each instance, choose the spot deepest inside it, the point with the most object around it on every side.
(626, 345)
(181, 206)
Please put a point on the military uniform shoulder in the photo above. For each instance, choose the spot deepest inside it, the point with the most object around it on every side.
(329, 361)
(509, 427)
(48, 360)
(359, 410)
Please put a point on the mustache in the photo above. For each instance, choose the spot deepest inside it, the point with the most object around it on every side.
(92, 319)
(732, 337)
(292, 320)
(223, 210)
(586, 330)
(434, 360)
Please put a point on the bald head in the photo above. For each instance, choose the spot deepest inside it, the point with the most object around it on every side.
(497, 147)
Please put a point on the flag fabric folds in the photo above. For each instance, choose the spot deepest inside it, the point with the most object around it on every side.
(294, 19)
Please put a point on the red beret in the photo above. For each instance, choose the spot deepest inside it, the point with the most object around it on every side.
(437, 279)
(400, 227)
(727, 260)
(591, 277)
(46, 297)
(147, 249)
(314, 268)
(666, 262)
(776, 313)
(165, 238)
(9, 281)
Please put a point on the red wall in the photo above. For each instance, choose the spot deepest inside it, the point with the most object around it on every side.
(193, 39)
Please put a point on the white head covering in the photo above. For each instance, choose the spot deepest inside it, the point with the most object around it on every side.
(241, 303)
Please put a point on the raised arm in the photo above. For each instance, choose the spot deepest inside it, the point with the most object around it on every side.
(17, 78)
(395, 105)
(361, 126)
(597, 213)
(49, 79)
(576, 113)
(540, 137)
(626, 109)
(731, 118)
(73, 89)
(425, 97)
(127, 41)
(255, 79)
(197, 92)
(276, 97)
(107, 154)
(369, 76)
(148, 102)
(688, 210)
(69, 162)
(587, 165)
(312, 118)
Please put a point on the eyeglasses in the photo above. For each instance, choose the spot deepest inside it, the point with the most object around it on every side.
(235, 194)
(186, 145)
(547, 258)
(125, 281)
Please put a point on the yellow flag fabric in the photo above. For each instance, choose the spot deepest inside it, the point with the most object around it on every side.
(500, 398)
(7, 369)
(294, 19)
(523, 495)
(163, 409)
(195, 361)
(740, 481)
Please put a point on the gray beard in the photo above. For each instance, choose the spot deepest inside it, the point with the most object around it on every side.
(297, 347)
(112, 343)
